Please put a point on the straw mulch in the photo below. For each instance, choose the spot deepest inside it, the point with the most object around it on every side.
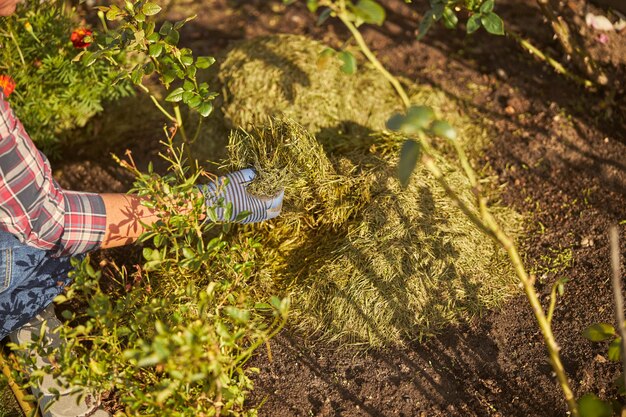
(364, 261)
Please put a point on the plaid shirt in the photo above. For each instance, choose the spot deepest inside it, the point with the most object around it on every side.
(33, 206)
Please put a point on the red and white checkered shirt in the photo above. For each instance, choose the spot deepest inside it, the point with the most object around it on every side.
(33, 206)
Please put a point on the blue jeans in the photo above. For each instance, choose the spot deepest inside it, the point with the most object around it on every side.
(29, 280)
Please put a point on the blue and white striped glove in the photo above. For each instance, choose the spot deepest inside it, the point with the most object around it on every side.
(230, 191)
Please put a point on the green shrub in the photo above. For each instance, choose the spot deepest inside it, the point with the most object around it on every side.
(175, 333)
(53, 94)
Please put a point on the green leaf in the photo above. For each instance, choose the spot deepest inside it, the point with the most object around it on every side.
(323, 16)
(449, 18)
(418, 118)
(312, 5)
(473, 23)
(349, 62)
(176, 95)
(150, 9)
(409, 155)
(205, 109)
(487, 7)
(443, 129)
(188, 85)
(425, 24)
(153, 37)
(599, 332)
(155, 49)
(188, 253)
(114, 13)
(137, 75)
(492, 23)
(395, 122)
(166, 28)
(194, 102)
(615, 350)
(590, 405)
(370, 12)
(173, 37)
(239, 315)
(203, 62)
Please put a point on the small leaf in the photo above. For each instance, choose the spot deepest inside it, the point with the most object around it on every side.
(137, 75)
(370, 11)
(615, 350)
(173, 37)
(166, 28)
(591, 406)
(487, 7)
(409, 155)
(239, 315)
(599, 332)
(493, 24)
(155, 49)
(203, 62)
(443, 129)
(419, 117)
(176, 95)
(349, 62)
(473, 23)
(425, 24)
(395, 122)
(323, 16)
(205, 109)
(188, 253)
(312, 5)
(150, 9)
(449, 18)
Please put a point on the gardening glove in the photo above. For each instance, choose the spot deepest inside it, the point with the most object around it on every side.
(232, 189)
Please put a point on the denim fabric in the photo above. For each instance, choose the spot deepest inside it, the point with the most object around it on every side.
(29, 279)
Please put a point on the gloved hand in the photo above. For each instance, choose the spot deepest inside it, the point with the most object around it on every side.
(231, 189)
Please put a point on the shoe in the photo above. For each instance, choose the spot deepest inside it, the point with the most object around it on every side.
(67, 404)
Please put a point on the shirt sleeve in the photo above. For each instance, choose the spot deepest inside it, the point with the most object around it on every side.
(33, 206)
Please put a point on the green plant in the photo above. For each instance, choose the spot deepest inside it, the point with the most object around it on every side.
(135, 32)
(421, 125)
(176, 332)
(54, 93)
(480, 11)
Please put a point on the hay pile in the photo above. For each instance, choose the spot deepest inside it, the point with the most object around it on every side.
(364, 261)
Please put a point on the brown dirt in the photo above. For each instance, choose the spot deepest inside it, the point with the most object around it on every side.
(559, 154)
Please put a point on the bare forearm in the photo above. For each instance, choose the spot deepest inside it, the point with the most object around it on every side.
(126, 217)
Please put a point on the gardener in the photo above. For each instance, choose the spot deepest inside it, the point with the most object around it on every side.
(43, 225)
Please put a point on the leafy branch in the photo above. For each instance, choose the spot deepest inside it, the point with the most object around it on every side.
(155, 51)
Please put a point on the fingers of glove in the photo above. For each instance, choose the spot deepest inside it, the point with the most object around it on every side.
(276, 202)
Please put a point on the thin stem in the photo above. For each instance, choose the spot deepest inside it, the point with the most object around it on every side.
(179, 122)
(19, 51)
(552, 301)
(375, 62)
(558, 67)
(157, 104)
(617, 292)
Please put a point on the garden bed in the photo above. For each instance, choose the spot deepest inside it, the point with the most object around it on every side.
(558, 157)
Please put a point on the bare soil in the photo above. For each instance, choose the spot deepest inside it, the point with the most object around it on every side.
(559, 155)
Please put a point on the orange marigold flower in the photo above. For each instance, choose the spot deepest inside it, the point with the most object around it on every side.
(81, 38)
(7, 84)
